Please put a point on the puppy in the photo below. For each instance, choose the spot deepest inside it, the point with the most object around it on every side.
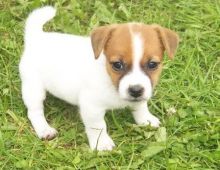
(117, 66)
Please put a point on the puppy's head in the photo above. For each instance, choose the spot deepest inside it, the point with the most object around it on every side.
(134, 54)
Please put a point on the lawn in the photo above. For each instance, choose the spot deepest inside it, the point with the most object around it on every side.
(187, 99)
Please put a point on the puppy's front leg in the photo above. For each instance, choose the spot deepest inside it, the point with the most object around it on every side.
(93, 119)
(142, 115)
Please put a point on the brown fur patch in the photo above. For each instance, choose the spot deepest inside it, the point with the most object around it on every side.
(119, 48)
(152, 50)
(152, 74)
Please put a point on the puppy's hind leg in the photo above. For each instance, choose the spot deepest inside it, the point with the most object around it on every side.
(33, 95)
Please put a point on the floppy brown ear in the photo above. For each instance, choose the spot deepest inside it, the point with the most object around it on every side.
(169, 39)
(99, 37)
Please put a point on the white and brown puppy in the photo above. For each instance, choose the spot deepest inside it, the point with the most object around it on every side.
(117, 66)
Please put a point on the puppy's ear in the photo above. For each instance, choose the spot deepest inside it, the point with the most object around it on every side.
(169, 39)
(99, 38)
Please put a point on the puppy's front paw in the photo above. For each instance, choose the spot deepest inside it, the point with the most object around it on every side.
(148, 119)
(153, 121)
(103, 143)
(47, 133)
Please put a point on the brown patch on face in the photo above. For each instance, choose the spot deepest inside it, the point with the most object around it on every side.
(119, 49)
(156, 40)
(153, 74)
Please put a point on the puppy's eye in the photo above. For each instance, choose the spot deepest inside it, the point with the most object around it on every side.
(152, 65)
(118, 66)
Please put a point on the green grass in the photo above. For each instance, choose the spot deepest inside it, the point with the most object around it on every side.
(189, 137)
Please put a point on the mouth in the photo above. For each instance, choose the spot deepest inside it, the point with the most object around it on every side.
(139, 99)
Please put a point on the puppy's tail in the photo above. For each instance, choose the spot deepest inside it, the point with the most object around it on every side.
(36, 20)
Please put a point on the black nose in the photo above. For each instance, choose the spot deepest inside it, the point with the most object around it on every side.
(135, 91)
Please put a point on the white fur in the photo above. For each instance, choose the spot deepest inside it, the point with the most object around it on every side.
(64, 65)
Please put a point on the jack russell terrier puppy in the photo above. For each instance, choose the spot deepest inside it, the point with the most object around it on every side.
(117, 66)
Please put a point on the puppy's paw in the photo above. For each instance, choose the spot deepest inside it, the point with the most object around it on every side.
(47, 133)
(104, 143)
(148, 119)
(153, 121)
